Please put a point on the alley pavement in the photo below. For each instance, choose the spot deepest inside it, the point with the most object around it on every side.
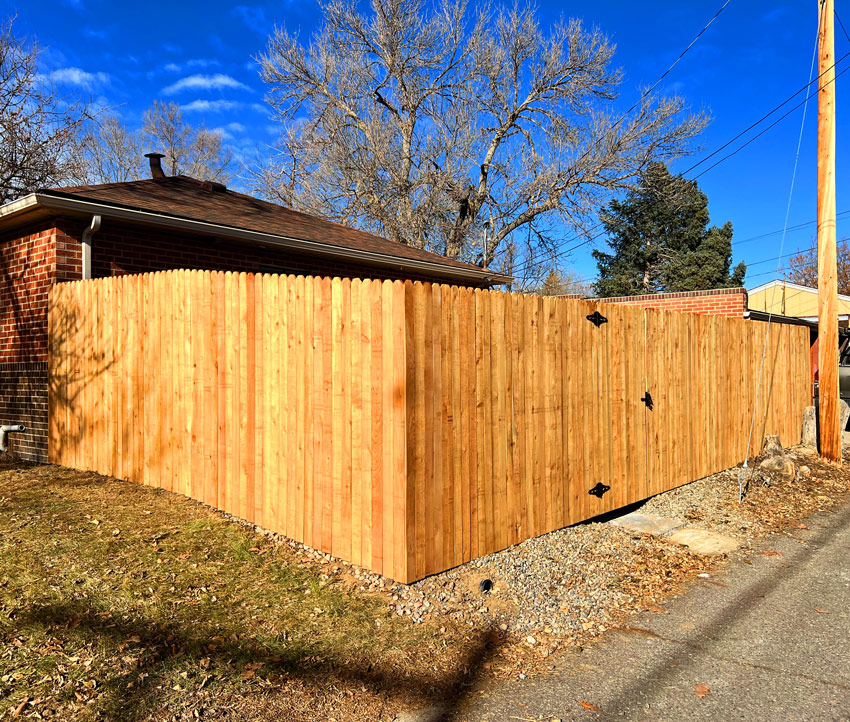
(767, 638)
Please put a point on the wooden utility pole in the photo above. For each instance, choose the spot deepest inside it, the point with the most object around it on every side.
(830, 433)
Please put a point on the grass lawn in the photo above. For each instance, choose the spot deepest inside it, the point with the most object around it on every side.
(122, 602)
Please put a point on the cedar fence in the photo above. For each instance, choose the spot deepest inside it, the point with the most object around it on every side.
(405, 427)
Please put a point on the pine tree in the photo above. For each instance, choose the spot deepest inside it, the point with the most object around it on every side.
(660, 240)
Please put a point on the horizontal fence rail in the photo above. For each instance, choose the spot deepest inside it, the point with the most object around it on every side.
(405, 427)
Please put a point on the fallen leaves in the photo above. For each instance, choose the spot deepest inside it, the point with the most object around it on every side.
(592, 707)
(701, 690)
(821, 611)
(772, 554)
(20, 707)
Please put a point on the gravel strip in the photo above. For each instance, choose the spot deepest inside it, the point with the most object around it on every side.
(577, 582)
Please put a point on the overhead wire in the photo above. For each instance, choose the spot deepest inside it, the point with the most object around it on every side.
(772, 125)
(561, 253)
(742, 477)
(762, 119)
(524, 267)
(554, 256)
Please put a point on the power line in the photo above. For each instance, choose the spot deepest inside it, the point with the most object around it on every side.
(763, 118)
(844, 30)
(643, 95)
(773, 124)
(524, 267)
(682, 54)
(777, 232)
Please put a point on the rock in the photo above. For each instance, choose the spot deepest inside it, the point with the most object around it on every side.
(646, 523)
(772, 446)
(779, 467)
(704, 542)
(845, 413)
(810, 428)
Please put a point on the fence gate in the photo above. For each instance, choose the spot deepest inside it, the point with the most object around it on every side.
(615, 415)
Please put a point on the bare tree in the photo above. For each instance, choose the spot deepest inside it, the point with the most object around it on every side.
(39, 129)
(115, 153)
(422, 127)
(189, 150)
(803, 267)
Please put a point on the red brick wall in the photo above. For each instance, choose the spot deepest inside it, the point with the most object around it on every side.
(729, 302)
(30, 261)
(34, 258)
(119, 248)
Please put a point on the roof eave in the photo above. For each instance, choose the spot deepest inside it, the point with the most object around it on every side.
(80, 206)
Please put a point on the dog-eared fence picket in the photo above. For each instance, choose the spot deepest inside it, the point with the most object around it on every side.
(401, 426)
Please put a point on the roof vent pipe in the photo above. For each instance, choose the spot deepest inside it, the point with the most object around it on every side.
(156, 164)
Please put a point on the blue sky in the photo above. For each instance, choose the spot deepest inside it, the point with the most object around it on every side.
(199, 55)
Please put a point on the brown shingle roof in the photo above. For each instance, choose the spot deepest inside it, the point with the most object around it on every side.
(184, 197)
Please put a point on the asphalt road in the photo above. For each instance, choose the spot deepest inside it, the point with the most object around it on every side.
(758, 643)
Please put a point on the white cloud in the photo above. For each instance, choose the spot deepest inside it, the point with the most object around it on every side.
(217, 106)
(210, 106)
(254, 17)
(172, 68)
(202, 63)
(230, 131)
(205, 82)
(80, 78)
(95, 33)
(221, 133)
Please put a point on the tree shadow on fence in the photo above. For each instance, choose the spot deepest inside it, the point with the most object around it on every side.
(76, 359)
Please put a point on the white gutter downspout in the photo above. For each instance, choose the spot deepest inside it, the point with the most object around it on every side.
(86, 240)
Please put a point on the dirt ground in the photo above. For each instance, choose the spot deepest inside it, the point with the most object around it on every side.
(122, 602)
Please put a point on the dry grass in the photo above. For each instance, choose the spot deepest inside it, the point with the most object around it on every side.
(123, 602)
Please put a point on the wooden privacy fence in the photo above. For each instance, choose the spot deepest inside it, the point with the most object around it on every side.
(405, 427)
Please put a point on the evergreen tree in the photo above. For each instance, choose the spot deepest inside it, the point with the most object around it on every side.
(563, 283)
(661, 241)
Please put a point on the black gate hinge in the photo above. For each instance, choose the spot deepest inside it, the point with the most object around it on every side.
(647, 399)
(597, 319)
(599, 490)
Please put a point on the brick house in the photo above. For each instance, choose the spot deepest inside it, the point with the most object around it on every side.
(158, 224)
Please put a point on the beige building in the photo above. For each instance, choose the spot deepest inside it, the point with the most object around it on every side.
(791, 299)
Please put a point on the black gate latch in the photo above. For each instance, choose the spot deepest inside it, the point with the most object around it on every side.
(597, 319)
(599, 490)
(647, 399)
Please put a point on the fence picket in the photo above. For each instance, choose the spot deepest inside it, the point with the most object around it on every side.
(406, 427)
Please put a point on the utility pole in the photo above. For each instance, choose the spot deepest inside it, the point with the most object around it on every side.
(830, 433)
